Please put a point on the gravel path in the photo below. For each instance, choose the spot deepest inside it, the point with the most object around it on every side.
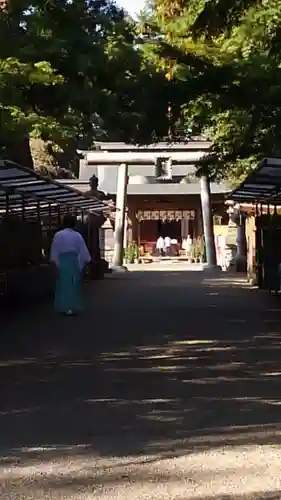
(167, 388)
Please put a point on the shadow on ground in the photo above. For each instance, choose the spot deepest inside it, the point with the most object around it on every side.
(161, 366)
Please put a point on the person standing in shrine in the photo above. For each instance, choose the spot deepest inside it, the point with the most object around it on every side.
(160, 244)
(70, 255)
(167, 246)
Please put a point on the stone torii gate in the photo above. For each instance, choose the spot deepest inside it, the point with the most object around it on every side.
(124, 159)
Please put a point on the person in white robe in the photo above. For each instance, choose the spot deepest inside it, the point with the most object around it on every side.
(160, 244)
(70, 255)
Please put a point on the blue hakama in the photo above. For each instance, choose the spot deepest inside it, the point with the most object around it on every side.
(68, 295)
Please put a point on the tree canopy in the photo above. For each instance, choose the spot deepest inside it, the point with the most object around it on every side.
(70, 73)
(225, 57)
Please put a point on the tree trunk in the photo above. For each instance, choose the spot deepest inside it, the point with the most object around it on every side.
(18, 150)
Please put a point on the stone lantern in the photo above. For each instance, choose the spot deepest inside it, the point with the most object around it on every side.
(92, 236)
(236, 224)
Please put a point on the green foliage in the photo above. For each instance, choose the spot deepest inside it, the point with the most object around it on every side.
(70, 73)
(225, 58)
(197, 249)
(132, 252)
(15, 114)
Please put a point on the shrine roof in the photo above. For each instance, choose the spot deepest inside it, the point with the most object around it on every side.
(19, 184)
(194, 143)
(158, 146)
(155, 189)
(263, 185)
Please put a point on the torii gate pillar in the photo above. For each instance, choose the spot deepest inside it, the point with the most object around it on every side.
(208, 222)
(121, 197)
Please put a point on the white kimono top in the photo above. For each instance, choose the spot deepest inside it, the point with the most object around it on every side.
(160, 243)
(69, 240)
